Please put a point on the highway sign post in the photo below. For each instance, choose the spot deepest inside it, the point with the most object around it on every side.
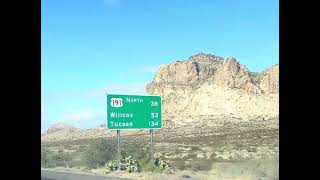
(151, 146)
(119, 153)
(130, 112)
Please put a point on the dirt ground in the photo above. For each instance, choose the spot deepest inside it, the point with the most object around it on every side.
(244, 150)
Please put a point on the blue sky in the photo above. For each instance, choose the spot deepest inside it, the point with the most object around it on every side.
(89, 47)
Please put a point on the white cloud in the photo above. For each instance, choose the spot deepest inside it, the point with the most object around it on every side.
(81, 115)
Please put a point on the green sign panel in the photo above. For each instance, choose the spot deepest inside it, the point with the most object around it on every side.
(133, 112)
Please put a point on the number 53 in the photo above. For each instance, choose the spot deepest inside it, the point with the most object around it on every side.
(154, 115)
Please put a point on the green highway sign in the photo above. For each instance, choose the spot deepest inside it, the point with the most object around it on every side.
(133, 112)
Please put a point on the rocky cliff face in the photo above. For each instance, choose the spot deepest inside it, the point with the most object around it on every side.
(270, 80)
(206, 84)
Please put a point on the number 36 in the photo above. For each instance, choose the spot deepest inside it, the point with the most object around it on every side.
(154, 103)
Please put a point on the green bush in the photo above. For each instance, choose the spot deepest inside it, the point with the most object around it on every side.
(163, 164)
(126, 164)
(45, 157)
(133, 156)
(136, 151)
(195, 148)
(98, 153)
(50, 159)
(159, 165)
(149, 167)
(61, 159)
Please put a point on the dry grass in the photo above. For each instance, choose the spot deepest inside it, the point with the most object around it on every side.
(218, 143)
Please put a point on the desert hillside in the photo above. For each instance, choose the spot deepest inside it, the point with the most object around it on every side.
(206, 84)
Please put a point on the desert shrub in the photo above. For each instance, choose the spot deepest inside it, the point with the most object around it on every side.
(45, 157)
(149, 167)
(239, 146)
(195, 148)
(130, 164)
(252, 149)
(112, 165)
(179, 164)
(50, 159)
(61, 159)
(159, 165)
(213, 155)
(126, 164)
(163, 164)
(77, 163)
(133, 157)
(201, 165)
(192, 156)
(82, 147)
(98, 153)
(138, 152)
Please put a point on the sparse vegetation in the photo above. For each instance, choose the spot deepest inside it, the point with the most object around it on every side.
(201, 165)
(252, 149)
(159, 166)
(138, 152)
(184, 154)
(45, 157)
(195, 148)
(61, 159)
(213, 155)
(102, 153)
(135, 158)
(98, 153)
(51, 159)
(127, 164)
(191, 156)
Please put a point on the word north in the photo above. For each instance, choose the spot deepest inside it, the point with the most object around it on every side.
(134, 100)
(121, 115)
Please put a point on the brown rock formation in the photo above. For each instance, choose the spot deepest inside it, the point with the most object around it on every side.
(210, 85)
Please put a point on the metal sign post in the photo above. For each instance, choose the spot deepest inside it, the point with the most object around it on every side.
(151, 147)
(119, 154)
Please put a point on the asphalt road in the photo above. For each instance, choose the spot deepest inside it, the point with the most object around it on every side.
(52, 175)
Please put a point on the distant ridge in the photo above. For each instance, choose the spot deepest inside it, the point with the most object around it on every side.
(60, 127)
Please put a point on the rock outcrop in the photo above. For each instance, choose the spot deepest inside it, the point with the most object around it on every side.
(270, 80)
(60, 127)
(210, 85)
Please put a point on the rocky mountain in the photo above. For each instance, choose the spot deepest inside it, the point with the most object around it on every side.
(60, 127)
(200, 94)
(206, 84)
